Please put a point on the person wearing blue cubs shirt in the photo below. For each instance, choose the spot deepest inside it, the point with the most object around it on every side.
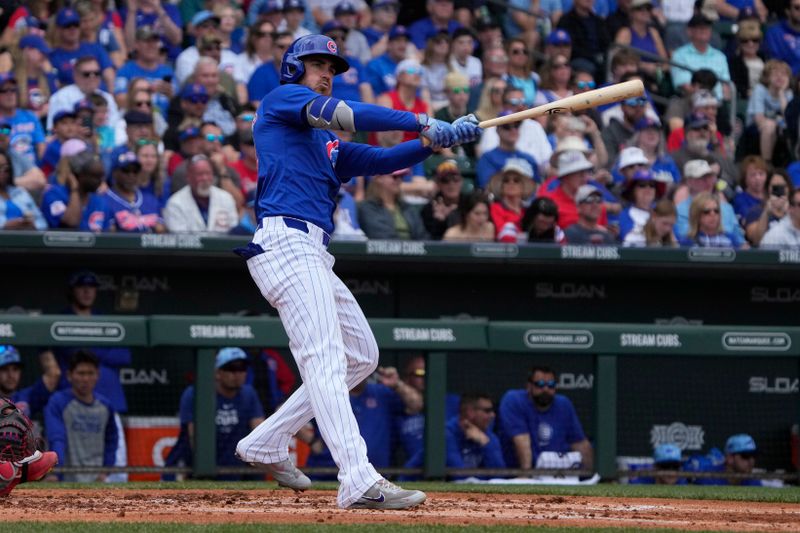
(147, 64)
(381, 70)
(131, 209)
(79, 422)
(238, 407)
(471, 443)
(70, 48)
(301, 168)
(740, 458)
(72, 201)
(31, 399)
(536, 419)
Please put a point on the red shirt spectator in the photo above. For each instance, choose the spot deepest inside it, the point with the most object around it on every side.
(511, 186)
(574, 170)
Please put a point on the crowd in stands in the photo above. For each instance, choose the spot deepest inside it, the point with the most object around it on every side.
(135, 116)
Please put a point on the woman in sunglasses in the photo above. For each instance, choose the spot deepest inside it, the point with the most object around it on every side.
(491, 101)
(520, 69)
(556, 75)
(640, 192)
(705, 224)
(257, 48)
(747, 63)
(641, 34)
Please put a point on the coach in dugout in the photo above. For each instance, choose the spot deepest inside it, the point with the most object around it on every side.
(535, 419)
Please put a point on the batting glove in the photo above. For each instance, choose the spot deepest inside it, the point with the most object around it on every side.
(467, 129)
(440, 134)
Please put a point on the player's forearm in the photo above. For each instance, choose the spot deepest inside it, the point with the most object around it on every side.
(364, 160)
(522, 447)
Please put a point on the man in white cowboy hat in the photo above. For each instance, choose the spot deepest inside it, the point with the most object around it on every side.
(574, 170)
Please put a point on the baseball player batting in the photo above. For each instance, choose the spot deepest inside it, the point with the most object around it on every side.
(301, 166)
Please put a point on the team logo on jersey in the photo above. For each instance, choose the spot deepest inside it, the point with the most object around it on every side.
(333, 151)
(332, 47)
(96, 220)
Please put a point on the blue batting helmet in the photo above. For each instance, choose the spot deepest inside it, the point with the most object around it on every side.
(292, 68)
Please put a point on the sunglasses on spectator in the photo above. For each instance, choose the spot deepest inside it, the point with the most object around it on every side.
(211, 137)
(412, 71)
(247, 118)
(8, 90)
(460, 90)
(514, 126)
(714, 210)
(90, 73)
(418, 373)
(129, 170)
(449, 178)
(71, 25)
(5, 131)
(586, 85)
(198, 99)
(143, 103)
(515, 101)
(542, 383)
(519, 51)
(593, 199)
(645, 185)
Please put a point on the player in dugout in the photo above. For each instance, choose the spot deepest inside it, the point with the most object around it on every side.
(301, 167)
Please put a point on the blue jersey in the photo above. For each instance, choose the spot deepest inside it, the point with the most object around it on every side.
(232, 419)
(54, 204)
(465, 453)
(31, 400)
(264, 79)
(422, 29)
(381, 74)
(131, 70)
(26, 134)
(346, 85)
(64, 60)
(554, 430)
(140, 216)
(373, 35)
(152, 19)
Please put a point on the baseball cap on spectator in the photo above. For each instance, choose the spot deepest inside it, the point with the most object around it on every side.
(83, 105)
(638, 176)
(559, 38)
(695, 121)
(632, 155)
(84, 278)
(344, 8)
(398, 31)
(194, 91)
(585, 191)
(269, 7)
(332, 25)
(572, 161)
(486, 23)
(34, 41)
(740, 443)
(448, 167)
(125, 160)
(697, 168)
(145, 33)
(647, 122)
(189, 133)
(667, 453)
(137, 117)
(229, 355)
(408, 66)
(294, 5)
(66, 113)
(9, 356)
(6, 77)
(568, 143)
(67, 17)
(203, 16)
(73, 147)
(704, 99)
(698, 21)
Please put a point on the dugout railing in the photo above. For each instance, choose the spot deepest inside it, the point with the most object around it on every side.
(603, 343)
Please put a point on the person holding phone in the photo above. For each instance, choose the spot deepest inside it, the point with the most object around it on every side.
(778, 189)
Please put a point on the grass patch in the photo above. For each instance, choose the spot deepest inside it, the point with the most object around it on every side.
(684, 492)
(79, 527)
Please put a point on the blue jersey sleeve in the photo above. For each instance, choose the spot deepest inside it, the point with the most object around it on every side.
(288, 103)
(32, 399)
(493, 453)
(357, 159)
(187, 405)
(453, 437)
(512, 415)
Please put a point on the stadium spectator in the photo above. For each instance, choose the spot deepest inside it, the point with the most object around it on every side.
(681, 105)
(511, 188)
(782, 39)
(766, 108)
(266, 76)
(36, 81)
(131, 209)
(230, 31)
(152, 178)
(247, 165)
(381, 71)
(461, 58)
(558, 43)
(658, 229)
(405, 95)
(520, 70)
(210, 46)
(641, 34)
(700, 177)
(294, 13)
(353, 84)
(32, 399)
(383, 214)
(147, 64)
(79, 422)
(556, 74)
(747, 63)
(73, 201)
(189, 105)
(164, 16)
(698, 53)
(540, 222)
(700, 143)
(778, 189)
(457, 93)
(536, 419)
(705, 103)
(474, 224)
(753, 175)
(618, 132)
(238, 409)
(574, 170)
(705, 224)
(666, 457)
(442, 212)
(587, 230)
(346, 14)
(205, 24)
(94, 30)
(70, 48)
(641, 190)
(87, 82)
(270, 375)
(490, 100)
(631, 159)
(649, 137)
(138, 128)
(469, 438)
(499, 144)
(18, 209)
(440, 17)
(257, 49)
(25, 136)
(200, 206)
(435, 70)
(384, 18)
(588, 31)
(785, 234)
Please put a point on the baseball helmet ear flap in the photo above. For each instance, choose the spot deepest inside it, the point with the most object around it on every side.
(292, 68)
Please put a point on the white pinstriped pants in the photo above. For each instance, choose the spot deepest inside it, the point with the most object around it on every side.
(332, 344)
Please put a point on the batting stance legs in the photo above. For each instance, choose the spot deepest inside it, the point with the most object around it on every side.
(332, 344)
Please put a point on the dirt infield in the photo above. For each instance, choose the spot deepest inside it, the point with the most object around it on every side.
(278, 506)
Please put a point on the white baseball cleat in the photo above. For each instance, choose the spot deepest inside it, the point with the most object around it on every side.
(386, 495)
(285, 473)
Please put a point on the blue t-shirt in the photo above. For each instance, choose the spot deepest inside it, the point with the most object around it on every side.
(232, 419)
(51, 157)
(64, 61)
(373, 35)
(140, 216)
(26, 134)
(492, 162)
(345, 85)
(424, 28)
(743, 202)
(465, 453)
(381, 74)
(31, 400)
(554, 430)
(264, 79)
(54, 203)
(151, 19)
(131, 70)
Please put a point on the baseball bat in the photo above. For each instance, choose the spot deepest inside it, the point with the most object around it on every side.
(576, 102)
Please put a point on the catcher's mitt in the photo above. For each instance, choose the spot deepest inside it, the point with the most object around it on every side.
(17, 439)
